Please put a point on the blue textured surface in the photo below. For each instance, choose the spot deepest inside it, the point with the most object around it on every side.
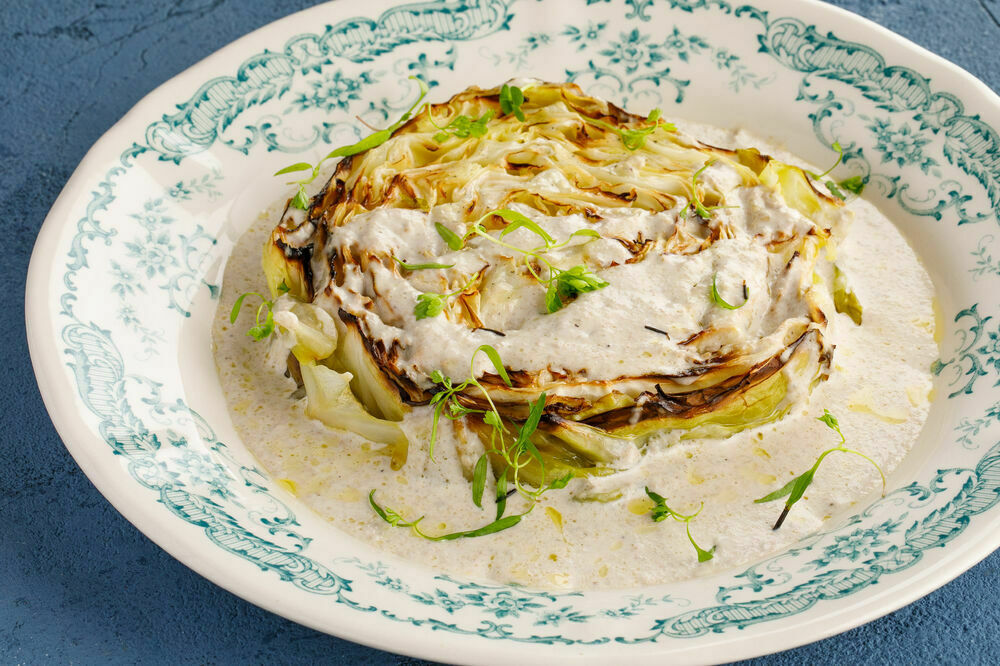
(80, 584)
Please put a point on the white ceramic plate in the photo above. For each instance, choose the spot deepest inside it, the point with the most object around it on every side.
(125, 270)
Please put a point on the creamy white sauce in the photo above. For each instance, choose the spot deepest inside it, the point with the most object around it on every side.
(603, 337)
(878, 388)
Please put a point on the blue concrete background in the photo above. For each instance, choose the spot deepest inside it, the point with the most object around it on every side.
(78, 584)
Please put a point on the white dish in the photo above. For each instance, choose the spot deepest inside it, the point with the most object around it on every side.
(122, 280)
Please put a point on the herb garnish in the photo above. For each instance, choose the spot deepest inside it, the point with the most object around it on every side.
(392, 517)
(301, 199)
(515, 456)
(721, 302)
(446, 401)
(661, 512)
(562, 285)
(511, 99)
(568, 284)
(855, 184)
(699, 208)
(795, 488)
(264, 321)
(634, 139)
(430, 304)
(420, 267)
(462, 127)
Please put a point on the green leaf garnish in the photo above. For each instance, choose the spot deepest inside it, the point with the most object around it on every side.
(517, 221)
(796, 488)
(491, 419)
(721, 302)
(561, 482)
(840, 156)
(420, 267)
(561, 285)
(396, 520)
(635, 138)
(463, 127)
(501, 498)
(451, 239)
(446, 401)
(699, 208)
(494, 357)
(855, 184)
(301, 199)
(568, 284)
(264, 321)
(479, 480)
(298, 166)
(511, 99)
(429, 305)
(661, 511)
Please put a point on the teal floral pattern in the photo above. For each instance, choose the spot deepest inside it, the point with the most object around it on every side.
(978, 352)
(334, 91)
(986, 264)
(634, 50)
(859, 545)
(900, 144)
(584, 38)
(154, 257)
(632, 66)
(206, 186)
(970, 429)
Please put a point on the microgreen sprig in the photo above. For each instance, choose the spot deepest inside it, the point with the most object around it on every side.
(635, 138)
(446, 402)
(699, 208)
(511, 99)
(393, 517)
(463, 127)
(515, 456)
(661, 511)
(420, 267)
(430, 304)
(855, 184)
(721, 302)
(562, 285)
(301, 199)
(264, 321)
(795, 488)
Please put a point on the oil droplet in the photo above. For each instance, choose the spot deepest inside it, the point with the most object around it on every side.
(916, 395)
(694, 478)
(603, 571)
(861, 402)
(559, 579)
(751, 474)
(555, 517)
(348, 495)
(289, 485)
(760, 452)
(640, 505)
(938, 321)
